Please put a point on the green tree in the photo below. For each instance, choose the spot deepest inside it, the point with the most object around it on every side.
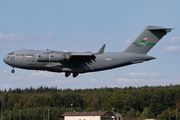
(37, 100)
(27, 105)
(17, 106)
(12, 101)
(138, 114)
(147, 113)
(132, 113)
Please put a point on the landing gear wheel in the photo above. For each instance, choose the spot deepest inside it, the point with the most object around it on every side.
(75, 74)
(13, 71)
(67, 74)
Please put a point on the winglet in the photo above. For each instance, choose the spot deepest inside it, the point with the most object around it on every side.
(101, 51)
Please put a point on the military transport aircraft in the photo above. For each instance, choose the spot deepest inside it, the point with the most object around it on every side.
(82, 62)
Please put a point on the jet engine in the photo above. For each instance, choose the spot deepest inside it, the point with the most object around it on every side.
(50, 57)
(56, 57)
(43, 57)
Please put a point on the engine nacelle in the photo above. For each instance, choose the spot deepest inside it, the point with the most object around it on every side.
(50, 57)
(56, 57)
(43, 58)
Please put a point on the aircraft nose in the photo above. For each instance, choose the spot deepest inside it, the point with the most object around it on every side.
(5, 59)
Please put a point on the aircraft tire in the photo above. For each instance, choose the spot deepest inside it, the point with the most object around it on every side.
(67, 74)
(13, 71)
(75, 74)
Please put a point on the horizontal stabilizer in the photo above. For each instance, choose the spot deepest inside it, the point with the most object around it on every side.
(159, 29)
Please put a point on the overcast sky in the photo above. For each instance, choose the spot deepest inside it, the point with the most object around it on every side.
(85, 25)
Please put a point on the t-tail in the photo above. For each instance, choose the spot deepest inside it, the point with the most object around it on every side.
(147, 39)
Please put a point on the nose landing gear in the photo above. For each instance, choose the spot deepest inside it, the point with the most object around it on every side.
(13, 71)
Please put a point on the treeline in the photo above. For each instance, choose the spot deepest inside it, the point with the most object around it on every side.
(131, 102)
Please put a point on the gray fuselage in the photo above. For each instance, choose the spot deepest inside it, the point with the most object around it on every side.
(28, 59)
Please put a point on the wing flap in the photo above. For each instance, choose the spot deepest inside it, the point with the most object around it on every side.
(82, 57)
(81, 54)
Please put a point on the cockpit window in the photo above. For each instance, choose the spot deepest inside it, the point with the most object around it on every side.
(11, 53)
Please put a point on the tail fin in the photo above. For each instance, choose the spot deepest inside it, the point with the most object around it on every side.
(147, 39)
(101, 51)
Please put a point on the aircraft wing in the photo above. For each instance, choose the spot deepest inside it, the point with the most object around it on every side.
(77, 57)
(82, 54)
(82, 57)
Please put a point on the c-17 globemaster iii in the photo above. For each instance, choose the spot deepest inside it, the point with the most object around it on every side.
(83, 62)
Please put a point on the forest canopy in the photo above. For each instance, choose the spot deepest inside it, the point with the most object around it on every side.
(132, 102)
